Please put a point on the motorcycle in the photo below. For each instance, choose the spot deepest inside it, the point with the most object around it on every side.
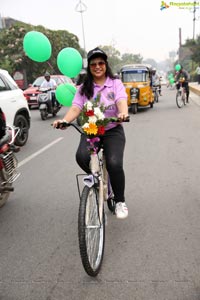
(8, 163)
(47, 103)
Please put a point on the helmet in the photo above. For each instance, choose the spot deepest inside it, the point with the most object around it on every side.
(153, 69)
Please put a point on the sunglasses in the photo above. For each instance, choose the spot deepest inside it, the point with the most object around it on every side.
(95, 64)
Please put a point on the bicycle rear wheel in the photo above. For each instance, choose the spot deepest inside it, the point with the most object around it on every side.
(179, 100)
(91, 231)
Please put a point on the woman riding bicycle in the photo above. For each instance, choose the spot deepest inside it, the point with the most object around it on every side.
(100, 80)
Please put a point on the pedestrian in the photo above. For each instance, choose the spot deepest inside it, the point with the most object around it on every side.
(198, 73)
(99, 80)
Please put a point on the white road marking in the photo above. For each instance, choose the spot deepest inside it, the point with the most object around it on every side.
(23, 162)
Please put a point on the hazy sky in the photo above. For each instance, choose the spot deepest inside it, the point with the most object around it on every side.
(131, 26)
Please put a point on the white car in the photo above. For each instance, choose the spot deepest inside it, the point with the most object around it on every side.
(15, 107)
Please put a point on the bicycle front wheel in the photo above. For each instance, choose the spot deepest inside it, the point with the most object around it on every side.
(179, 100)
(91, 231)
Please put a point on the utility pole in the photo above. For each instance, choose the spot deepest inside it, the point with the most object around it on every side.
(81, 8)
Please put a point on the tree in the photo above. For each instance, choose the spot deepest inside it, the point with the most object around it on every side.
(194, 46)
(129, 58)
(13, 58)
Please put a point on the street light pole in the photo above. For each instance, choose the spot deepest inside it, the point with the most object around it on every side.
(81, 8)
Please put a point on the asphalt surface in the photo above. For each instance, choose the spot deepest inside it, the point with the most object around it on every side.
(152, 255)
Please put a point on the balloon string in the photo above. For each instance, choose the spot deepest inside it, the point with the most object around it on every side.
(54, 71)
(50, 66)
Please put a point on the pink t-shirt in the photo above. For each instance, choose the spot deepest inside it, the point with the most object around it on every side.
(111, 92)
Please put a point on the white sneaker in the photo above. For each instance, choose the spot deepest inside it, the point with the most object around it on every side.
(121, 210)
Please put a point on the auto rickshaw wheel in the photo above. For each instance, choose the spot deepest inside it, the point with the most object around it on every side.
(134, 108)
(151, 104)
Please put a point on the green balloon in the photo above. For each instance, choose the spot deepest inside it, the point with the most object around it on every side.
(65, 93)
(69, 62)
(171, 80)
(37, 46)
(178, 67)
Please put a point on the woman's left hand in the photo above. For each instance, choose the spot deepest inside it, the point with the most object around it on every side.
(123, 116)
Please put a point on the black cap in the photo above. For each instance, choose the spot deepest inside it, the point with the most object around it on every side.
(96, 52)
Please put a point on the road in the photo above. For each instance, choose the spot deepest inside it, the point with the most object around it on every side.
(152, 255)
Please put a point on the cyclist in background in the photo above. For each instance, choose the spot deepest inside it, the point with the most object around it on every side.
(183, 76)
(99, 79)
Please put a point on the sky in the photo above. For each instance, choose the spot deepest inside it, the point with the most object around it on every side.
(130, 26)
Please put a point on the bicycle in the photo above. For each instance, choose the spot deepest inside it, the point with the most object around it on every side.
(91, 217)
(181, 95)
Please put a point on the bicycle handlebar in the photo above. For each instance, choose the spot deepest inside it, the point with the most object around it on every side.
(65, 124)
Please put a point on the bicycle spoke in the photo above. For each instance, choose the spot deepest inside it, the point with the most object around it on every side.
(92, 240)
(93, 228)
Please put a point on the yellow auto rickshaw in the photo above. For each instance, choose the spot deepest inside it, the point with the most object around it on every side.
(137, 81)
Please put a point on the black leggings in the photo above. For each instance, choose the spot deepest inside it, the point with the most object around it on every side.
(113, 143)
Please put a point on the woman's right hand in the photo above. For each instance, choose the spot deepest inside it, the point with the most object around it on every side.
(58, 124)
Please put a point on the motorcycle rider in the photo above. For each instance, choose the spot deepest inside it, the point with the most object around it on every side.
(50, 83)
(155, 80)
